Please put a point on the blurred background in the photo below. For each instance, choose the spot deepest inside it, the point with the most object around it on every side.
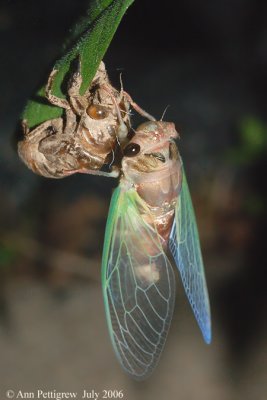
(208, 62)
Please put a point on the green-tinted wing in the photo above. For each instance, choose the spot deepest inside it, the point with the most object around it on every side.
(138, 285)
(185, 248)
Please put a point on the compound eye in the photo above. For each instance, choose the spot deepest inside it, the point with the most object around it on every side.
(131, 150)
(96, 112)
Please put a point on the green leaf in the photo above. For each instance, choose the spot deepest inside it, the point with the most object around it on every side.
(89, 40)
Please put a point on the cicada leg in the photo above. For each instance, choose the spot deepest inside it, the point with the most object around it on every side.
(115, 172)
(137, 108)
(122, 130)
(42, 129)
(56, 101)
(78, 102)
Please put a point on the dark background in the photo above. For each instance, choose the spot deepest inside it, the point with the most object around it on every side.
(208, 61)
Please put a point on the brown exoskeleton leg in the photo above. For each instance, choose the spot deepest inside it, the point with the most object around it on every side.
(115, 172)
(78, 102)
(138, 108)
(121, 99)
(56, 101)
(41, 130)
(71, 121)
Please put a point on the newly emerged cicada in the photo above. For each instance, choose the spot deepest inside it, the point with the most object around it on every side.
(84, 137)
(150, 212)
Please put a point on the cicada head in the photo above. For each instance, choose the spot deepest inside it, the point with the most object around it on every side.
(152, 149)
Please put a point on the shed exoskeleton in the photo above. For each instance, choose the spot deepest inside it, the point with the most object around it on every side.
(86, 134)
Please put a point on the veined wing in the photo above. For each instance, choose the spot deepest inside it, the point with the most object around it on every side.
(185, 248)
(138, 285)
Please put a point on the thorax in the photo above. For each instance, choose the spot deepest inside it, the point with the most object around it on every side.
(159, 190)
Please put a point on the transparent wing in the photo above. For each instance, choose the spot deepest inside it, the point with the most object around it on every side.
(138, 285)
(185, 248)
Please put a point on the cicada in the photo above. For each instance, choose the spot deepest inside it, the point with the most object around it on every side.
(150, 213)
(86, 134)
